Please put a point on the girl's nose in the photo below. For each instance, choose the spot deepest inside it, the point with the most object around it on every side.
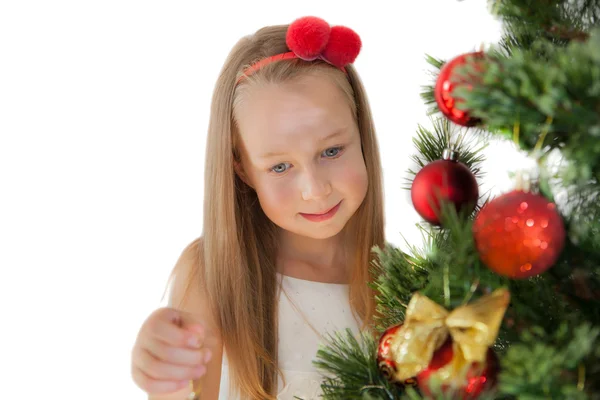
(315, 186)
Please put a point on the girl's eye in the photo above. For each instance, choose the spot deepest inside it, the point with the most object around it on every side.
(274, 169)
(336, 149)
(328, 153)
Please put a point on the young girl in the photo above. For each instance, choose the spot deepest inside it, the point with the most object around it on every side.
(293, 206)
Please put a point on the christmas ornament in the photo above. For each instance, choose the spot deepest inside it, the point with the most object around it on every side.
(447, 81)
(478, 376)
(519, 234)
(386, 364)
(445, 180)
(416, 348)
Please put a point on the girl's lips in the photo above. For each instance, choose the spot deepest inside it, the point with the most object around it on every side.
(322, 217)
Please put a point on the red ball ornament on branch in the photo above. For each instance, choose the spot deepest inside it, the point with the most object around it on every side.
(445, 180)
(447, 351)
(519, 234)
(478, 377)
(385, 360)
(447, 81)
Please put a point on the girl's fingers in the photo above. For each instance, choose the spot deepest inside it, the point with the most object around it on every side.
(168, 331)
(159, 370)
(178, 355)
(154, 386)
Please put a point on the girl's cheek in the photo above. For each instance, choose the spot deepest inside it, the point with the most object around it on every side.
(276, 190)
(352, 170)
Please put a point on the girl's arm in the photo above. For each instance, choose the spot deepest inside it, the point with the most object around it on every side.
(195, 302)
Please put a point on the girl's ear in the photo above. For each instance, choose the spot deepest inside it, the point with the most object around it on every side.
(239, 170)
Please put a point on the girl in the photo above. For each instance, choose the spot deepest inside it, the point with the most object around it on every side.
(293, 207)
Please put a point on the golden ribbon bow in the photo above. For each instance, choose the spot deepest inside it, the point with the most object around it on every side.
(473, 328)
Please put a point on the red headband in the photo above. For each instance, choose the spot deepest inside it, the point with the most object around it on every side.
(311, 38)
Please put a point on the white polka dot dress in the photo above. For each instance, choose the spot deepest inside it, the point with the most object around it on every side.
(307, 310)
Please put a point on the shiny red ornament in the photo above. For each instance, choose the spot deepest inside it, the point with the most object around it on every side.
(444, 180)
(519, 234)
(478, 378)
(446, 82)
(386, 363)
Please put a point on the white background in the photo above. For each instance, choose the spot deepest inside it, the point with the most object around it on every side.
(103, 119)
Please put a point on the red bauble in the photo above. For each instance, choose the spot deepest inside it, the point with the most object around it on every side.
(519, 234)
(479, 377)
(385, 360)
(443, 181)
(446, 82)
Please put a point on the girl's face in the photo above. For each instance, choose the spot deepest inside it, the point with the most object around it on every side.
(301, 152)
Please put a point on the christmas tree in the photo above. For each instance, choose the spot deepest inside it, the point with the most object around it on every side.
(502, 300)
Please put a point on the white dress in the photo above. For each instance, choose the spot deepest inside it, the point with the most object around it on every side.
(326, 307)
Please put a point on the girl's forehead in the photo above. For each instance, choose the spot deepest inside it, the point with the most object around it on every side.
(276, 114)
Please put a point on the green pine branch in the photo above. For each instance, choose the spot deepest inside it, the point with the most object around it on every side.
(430, 145)
(543, 103)
(350, 366)
(399, 275)
(556, 21)
(562, 364)
(427, 91)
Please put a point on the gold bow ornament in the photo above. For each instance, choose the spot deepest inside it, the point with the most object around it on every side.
(406, 350)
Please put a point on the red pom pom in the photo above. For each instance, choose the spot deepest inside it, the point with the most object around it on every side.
(307, 37)
(343, 46)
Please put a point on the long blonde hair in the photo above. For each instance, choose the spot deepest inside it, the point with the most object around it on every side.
(238, 246)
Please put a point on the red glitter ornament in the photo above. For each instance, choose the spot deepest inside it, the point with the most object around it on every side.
(386, 363)
(519, 234)
(478, 378)
(446, 82)
(445, 180)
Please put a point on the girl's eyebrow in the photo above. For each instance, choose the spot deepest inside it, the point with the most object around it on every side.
(326, 138)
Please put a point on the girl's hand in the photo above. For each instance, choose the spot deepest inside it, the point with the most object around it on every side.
(167, 356)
